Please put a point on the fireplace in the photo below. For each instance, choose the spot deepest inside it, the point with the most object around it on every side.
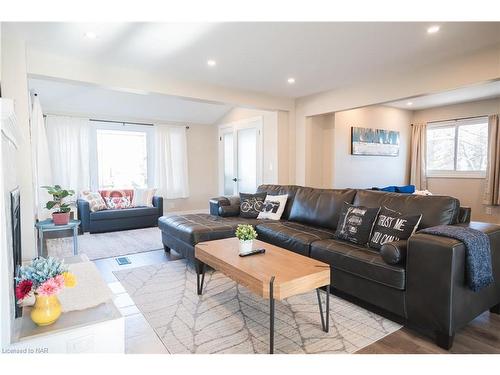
(15, 213)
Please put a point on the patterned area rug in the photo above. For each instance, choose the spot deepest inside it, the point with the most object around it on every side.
(228, 318)
(105, 245)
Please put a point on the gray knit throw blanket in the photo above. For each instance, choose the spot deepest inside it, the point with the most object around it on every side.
(478, 270)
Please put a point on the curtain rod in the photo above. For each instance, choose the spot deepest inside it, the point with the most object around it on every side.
(122, 122)
(457, 119)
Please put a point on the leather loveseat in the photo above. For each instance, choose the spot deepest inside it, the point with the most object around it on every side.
(420, 282)
(118, 219)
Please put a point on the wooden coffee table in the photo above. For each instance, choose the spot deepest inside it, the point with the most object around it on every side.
(277, 274)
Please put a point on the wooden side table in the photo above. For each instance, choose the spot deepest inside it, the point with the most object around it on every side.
(49, 226)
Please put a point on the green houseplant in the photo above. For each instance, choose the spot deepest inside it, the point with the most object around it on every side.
(61, 215)
(246, 234)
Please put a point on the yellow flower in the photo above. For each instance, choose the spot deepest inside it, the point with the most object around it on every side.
(69, 280)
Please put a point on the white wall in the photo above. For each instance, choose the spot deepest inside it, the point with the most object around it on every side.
(468, 190)
(359, 171)
(320, 152)
(15, 86)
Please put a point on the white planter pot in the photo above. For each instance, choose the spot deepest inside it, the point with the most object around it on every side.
(246, 246)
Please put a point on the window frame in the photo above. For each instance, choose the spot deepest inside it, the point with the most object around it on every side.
(456, 124)
(119, 126)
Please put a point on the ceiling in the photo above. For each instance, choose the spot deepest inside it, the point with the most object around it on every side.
(262, 56)
(108, 104)
(487, 90)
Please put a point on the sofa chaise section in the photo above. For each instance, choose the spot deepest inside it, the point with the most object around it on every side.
(183, 232)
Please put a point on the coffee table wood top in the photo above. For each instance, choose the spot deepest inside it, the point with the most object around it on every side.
(294, 274)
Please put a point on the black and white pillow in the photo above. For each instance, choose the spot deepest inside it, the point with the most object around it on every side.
(251, 204)
(393, 226)
(356, 223)
(273, 207)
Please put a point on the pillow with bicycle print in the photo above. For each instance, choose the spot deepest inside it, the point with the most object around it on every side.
(251, 204)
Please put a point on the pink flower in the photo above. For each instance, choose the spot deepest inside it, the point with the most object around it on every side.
(23, 289)
(60, 281)
(50, 287)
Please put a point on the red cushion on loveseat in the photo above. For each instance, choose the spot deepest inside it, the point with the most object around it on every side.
(117, 193)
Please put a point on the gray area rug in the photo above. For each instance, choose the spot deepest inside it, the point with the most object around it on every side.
(105, 245)
(228, 318)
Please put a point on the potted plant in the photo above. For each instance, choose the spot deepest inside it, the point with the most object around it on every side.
(44, 278)
(246, 234)
(61, 216)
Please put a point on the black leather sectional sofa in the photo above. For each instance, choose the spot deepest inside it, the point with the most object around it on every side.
(421, 282)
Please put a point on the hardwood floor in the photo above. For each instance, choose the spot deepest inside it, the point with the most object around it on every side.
(481, 336)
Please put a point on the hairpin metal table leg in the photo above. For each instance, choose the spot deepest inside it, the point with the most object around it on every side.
(200, 271)
(325, 322)
(271, 316)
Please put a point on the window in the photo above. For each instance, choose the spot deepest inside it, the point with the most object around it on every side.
(457, 148)
(121, 155)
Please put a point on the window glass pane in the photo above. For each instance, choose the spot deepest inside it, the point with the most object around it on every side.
(247, 160)
(472, 147)
(122, 158)
(441, 149)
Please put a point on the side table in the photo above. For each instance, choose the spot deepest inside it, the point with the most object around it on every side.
(49, 226)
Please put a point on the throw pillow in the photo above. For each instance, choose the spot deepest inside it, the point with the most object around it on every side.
(96, 203)
(251, 204)
(273, 207)
(118, 202)
(356, 223)
(129, 193)
(143, 197)
(393, 226)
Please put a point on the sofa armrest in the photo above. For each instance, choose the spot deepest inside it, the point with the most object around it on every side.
(83, 212)
(394, 252)
(231, 206)
(158, 203)
(437, 294)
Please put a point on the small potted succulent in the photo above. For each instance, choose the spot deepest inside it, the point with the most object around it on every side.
(246, 234)
(61, 215)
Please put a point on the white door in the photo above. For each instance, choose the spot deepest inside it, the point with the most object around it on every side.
(240, 156)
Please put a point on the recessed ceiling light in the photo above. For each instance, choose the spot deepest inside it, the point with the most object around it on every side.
(409, 103)
(291, 80)
(90, 35)
(211, 62)
(433, 29)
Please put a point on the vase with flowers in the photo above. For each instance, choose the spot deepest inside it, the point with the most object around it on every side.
(61, 215)
(45, 278)
(246, 234)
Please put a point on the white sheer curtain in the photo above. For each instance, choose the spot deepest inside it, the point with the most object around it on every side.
(69, 151)
(171, 164)
(42, 172)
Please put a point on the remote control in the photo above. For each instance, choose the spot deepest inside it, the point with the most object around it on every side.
(256, 251)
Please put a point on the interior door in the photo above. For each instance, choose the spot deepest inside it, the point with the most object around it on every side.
(240, 150)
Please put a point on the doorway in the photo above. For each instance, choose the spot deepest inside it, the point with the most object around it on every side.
(240, 156)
